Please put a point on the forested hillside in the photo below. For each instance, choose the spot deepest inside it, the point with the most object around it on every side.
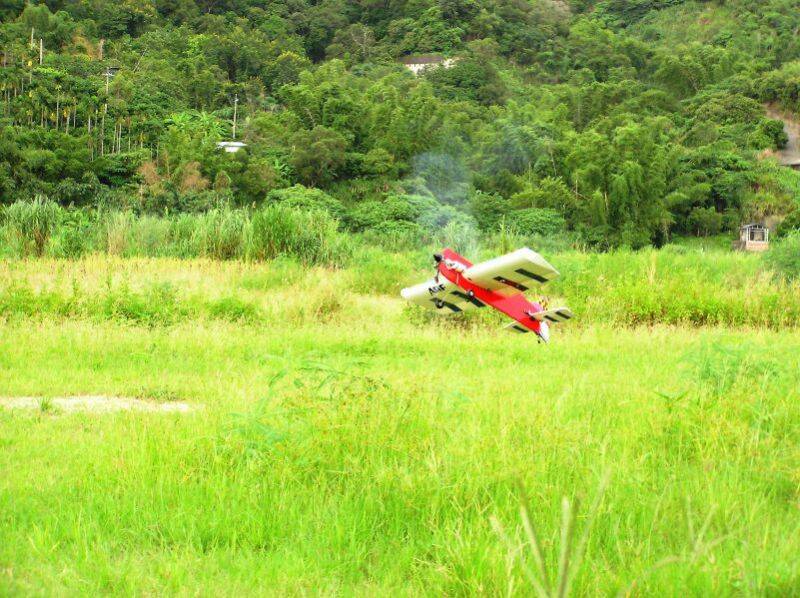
(613, 123)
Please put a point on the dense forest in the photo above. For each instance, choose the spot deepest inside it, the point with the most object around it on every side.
(613, 123)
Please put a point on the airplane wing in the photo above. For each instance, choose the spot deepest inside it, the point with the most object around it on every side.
(558, 314)
(441, 295)
(514, 272)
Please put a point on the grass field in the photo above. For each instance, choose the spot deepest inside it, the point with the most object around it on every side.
(342, 443)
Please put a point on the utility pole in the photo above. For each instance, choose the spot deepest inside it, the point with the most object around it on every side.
(235, 106)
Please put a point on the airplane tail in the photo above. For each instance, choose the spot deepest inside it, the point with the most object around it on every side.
(543, 334)
(558, 314)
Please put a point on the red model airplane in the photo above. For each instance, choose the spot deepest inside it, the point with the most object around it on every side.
(500, 282)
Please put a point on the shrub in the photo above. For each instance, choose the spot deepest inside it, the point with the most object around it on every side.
(30, 224)
(234, 309)
(460, 234)
(537, 221)
(305, 198)
(705, 221)
(149, 236)
(74, 235)
(790, 223)
(420, 210)
(380, 272)
(784, 256)
(489, 210)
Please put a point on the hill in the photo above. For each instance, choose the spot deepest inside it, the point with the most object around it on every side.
(613, 123)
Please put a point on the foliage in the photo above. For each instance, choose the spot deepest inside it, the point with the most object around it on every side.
(784, 256)
(537, 221)
(629, 119)
(310, 236)
(305, 198)
(30, 224)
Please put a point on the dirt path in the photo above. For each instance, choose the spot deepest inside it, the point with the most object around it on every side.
(94, 403)
(790, 155)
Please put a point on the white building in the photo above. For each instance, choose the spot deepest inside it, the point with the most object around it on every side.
(231, 147)
(422, 62)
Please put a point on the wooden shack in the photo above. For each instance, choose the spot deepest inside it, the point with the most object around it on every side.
(752, 237)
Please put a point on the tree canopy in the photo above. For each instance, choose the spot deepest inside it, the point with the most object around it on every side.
(623, 122)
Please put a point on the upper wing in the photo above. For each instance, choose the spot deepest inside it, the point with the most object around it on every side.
(514, 272)
(441, 295)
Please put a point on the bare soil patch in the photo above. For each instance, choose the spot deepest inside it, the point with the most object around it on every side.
(94, 404)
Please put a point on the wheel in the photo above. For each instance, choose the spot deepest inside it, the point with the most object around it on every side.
(439, 304)
(471, 294)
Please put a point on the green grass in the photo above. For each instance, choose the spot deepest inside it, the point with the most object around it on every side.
(343, 444)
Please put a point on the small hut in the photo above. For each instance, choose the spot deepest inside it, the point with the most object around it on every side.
(231, 147)
(419, 63)
(752, 237)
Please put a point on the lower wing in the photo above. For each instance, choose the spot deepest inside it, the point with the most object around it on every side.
(441, 295)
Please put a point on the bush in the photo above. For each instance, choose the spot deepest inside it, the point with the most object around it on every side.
(537, 221)
(30, 224)
(305, 198)
(460, 234)
(489, 210)
(784, 256)
(424, 211)
(789, 224)
(74, 235)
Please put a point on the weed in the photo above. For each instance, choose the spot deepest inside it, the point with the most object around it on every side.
(233, 309)
(546, 583)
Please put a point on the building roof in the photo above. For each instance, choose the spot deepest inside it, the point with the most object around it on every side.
(423, 59)
(752, 225)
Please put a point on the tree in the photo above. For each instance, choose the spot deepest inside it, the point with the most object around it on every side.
(318, 155)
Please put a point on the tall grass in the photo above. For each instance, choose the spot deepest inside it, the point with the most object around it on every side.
(623, 289)
(30, 224)
(784, 256)
(530, 554)
(369, 456)
(312, 237)
(222, 233)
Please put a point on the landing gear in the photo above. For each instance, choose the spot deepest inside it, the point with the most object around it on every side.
(471, 294)
(438, 303)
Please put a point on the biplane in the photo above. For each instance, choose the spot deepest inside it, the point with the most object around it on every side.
(500, 283)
